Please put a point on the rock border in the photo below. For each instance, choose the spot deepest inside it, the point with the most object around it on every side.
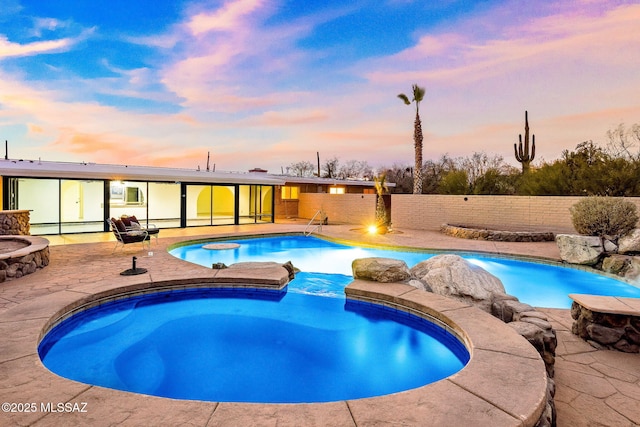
(479, 233)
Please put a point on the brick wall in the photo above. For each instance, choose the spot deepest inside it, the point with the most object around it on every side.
(340, 208)
(429, 212)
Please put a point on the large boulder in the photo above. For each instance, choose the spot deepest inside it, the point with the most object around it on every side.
(577, 249)
(453, 276)
(630, 242)
(385, 270)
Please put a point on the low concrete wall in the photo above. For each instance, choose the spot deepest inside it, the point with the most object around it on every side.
(430, 212)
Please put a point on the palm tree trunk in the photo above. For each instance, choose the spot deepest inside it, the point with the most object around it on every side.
(417, 170)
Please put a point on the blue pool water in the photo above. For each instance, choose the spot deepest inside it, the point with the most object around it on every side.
(250, 346)
(326, 268)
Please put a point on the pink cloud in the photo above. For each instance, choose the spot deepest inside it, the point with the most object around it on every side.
(292, 118)
(9, 49)
(230, 15)
(460, 58)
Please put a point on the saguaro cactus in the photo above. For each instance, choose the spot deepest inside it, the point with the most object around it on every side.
(522, 152)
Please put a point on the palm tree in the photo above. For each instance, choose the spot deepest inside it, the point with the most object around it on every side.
(418, 96)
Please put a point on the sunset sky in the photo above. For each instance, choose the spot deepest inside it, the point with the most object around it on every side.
(265, 83)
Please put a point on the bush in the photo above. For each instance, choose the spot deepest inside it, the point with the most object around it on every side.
(604, 216)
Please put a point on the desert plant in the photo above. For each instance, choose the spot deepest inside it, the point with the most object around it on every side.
(382, 216)
(522, 152)
(604, 216)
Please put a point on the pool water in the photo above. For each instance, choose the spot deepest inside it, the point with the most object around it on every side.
(326, 268)
(250, 346)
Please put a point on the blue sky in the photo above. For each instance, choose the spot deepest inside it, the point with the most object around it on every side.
(265, 83)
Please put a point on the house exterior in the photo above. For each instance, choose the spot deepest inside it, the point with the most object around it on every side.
(65, 197)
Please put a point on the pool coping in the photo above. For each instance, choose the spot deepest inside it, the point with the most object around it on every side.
(504, 383)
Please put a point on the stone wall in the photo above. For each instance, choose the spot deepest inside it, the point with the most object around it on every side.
(606, 330)
(431, 211)
(15, 222)
(535, 327)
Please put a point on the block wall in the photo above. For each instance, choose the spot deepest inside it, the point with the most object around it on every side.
(429, 212)
(340, 208)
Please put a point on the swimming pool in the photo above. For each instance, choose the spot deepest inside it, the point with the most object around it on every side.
(326, 268)
(230, 345)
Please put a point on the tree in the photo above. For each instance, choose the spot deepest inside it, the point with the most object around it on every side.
(401, 175)
(303, 168)
(418, 96)
(478, 165)
(355, 169)
(587, 171)
(624, 142)
(331, 167)
(454, 182)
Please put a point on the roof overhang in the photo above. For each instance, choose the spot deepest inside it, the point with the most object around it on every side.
(42, 169)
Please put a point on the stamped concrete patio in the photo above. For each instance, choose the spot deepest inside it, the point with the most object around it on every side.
(593, 387)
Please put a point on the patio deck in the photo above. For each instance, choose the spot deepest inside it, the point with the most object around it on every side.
(593, 387)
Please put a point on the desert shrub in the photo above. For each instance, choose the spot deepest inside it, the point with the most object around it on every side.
(604, 216)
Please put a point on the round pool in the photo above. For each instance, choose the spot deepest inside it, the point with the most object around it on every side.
(250, 346)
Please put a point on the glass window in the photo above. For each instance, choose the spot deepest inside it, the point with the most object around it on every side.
(81, 206)
(336, 190)
(256, 203)
(128, 198)
(42, 197)
(290, 193)
(224, 204)
(210, 205)
(164, 204)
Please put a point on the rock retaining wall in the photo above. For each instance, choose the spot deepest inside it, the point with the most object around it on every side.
(15, 222)
(466, 232)
(606, 330)
(535, 327)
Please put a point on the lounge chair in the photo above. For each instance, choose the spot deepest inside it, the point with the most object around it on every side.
(124, 236)
(131, 223)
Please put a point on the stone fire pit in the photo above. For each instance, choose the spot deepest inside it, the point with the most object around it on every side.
(21, 255)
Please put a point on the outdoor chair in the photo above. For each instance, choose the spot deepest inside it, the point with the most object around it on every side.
(131, 223)
(124, 236)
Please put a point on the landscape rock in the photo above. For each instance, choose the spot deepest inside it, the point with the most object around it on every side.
(616, 264)
(576, 249)
(630, 243)
(455, 277)
(507, 309)
(531, 332)
(609, 246)
(419, 284)
(384, 270)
